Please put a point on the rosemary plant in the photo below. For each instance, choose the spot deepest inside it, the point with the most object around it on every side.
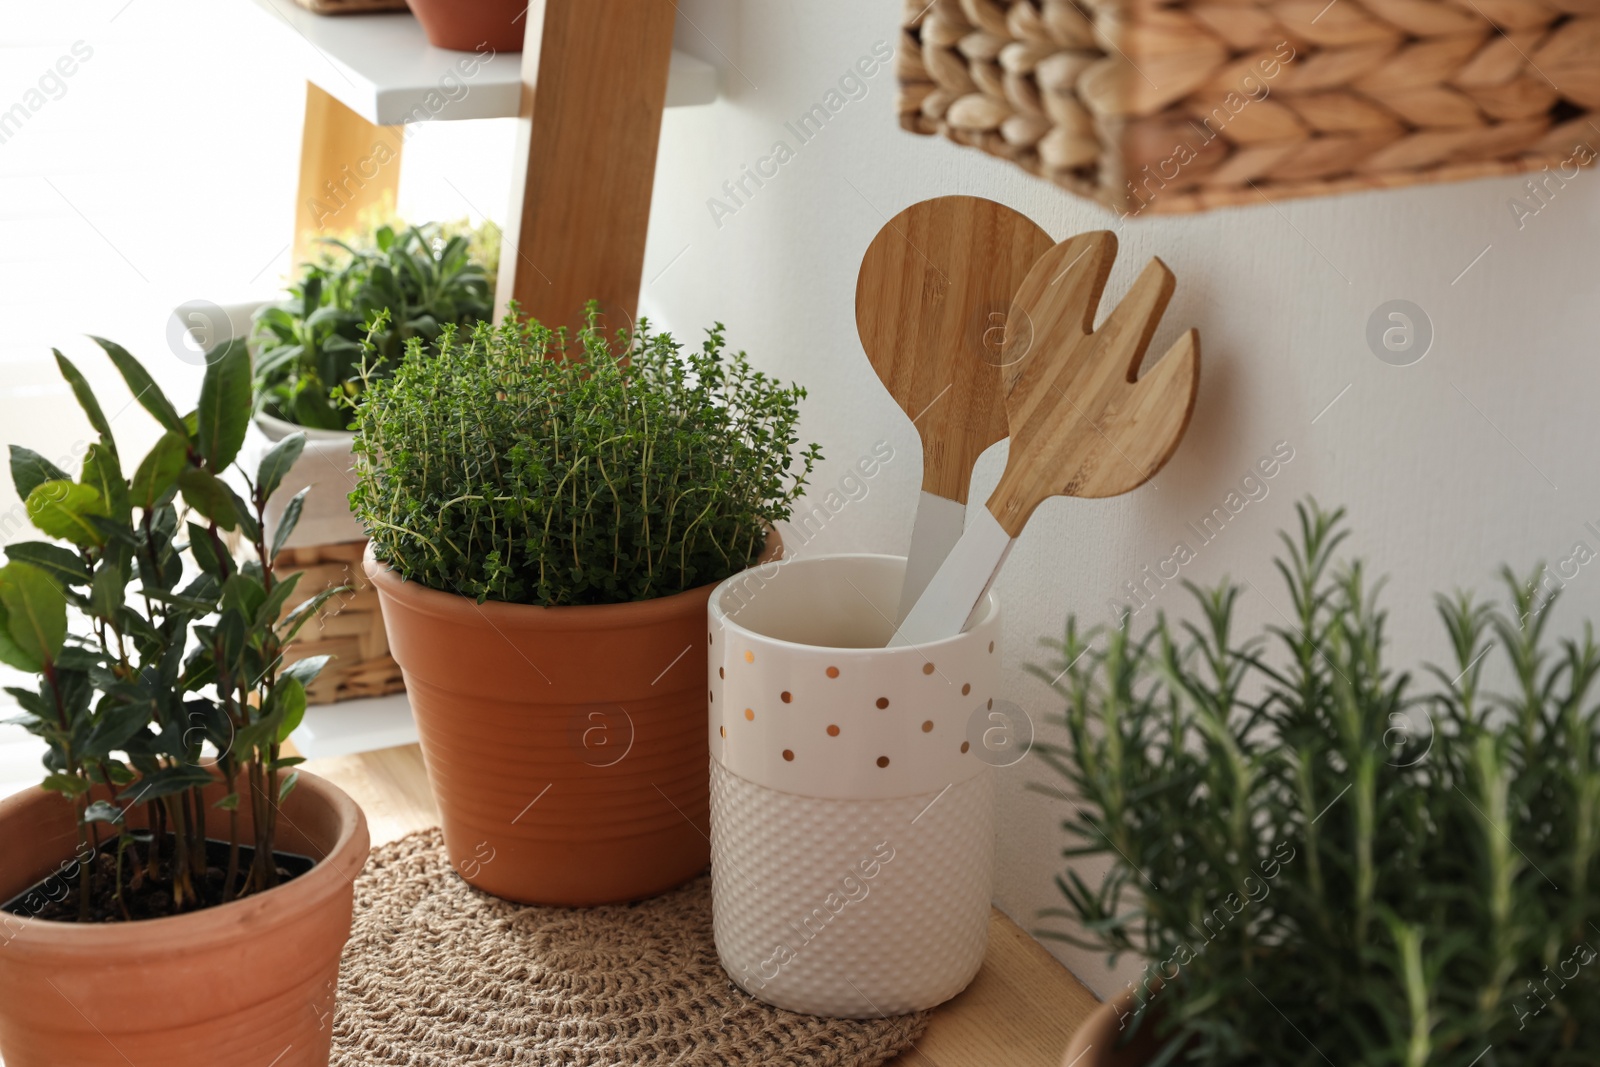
(169, 680)
(509, 468)
(1313, 876)
(310, 347)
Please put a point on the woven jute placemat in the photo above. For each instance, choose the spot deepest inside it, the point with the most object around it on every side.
(437, 974)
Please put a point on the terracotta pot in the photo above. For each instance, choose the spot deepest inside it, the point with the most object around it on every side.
(234, 984)
(469, 25)
(566, 746)
(1096, 1043)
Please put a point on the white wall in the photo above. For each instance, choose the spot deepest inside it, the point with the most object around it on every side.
(1483, 452)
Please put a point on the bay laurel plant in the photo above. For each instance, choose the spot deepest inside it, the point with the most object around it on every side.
(158, 655)
(310, 346)
(513, 466)
(1312, 874)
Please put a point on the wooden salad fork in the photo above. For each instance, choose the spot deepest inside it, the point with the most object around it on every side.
(1083, 422)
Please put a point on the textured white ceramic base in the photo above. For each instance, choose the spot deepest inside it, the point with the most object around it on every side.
(851, 908)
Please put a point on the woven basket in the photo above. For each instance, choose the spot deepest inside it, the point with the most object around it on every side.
(351, 7)
(1204, 103)
(349, 627)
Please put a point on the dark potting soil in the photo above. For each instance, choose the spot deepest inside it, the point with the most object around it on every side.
(56, 897)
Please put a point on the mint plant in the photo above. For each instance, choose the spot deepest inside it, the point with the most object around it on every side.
(309, 347)
(1310, 875)
(510, 466)
(158, 654)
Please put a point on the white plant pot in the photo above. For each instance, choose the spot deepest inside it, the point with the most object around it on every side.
(327, 467)
(852, 824)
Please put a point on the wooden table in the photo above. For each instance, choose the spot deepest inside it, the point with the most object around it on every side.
(1019, 1012)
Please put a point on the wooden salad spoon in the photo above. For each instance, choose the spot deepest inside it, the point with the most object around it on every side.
(931, 301)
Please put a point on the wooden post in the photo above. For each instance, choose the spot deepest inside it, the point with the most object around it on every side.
(594, 82)
(349, 173)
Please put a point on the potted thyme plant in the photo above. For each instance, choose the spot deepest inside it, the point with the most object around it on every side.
(174, 881)
(546, 527)
(1314, 873)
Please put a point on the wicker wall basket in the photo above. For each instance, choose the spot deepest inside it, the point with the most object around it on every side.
(348, 628)
(1182, 106)
(351, 7)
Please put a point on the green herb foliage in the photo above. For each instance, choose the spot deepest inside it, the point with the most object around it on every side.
(170, 677)
(507, 469)
(310, 347)
(1317, 876)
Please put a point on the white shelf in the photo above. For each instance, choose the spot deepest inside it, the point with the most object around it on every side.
(383, 68)
(355, 726)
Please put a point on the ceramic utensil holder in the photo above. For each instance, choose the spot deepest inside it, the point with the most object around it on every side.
(852, 820)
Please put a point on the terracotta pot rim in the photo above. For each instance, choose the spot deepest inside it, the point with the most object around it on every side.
(1101, 1026)
(197, 929)
(454, 607)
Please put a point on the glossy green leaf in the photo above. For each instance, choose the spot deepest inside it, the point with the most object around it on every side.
(243, 593)
(62, 564)
(248, 524)
(306, 611)
(29, 470)
(311, 407)
(35, 609)
(276, 464)
(206, 493)
(103, 471)
(282, 590)
(224, 404)
(68, 785)
(31, 702)
(288, 521)
(305, 671)
(11, 653)
(159, 470)
(62, 509)
(115, 726)
(166, 782)
(106, 592)
(143, 387)
(86, 398)
(291, 695)
(230, 634)
(204, 551)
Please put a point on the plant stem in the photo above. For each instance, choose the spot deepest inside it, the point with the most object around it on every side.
(230, 883)
(158, 830)
(272, 814)
(122, 905)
